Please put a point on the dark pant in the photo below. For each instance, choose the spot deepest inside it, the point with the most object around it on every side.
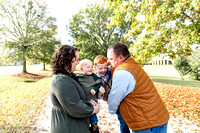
(123, 126)
(93, 119)
(158, 129)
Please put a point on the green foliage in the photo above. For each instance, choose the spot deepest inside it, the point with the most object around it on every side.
(44, 49)
(168, 26)
(89, 29)
(27, 31)
(189, 65)
(182, 65)
(194, 61)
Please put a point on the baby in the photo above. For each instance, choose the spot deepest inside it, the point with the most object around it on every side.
(92, 87)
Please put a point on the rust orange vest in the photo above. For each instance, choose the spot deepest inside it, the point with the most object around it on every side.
(142, 108)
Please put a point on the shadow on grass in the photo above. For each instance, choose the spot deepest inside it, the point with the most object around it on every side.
(32, 75)
(175, 81)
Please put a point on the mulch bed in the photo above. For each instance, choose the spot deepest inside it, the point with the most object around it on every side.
(32, 75)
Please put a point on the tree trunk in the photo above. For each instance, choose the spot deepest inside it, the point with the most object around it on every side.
(181, 78)
(24, 67)
(43, 66)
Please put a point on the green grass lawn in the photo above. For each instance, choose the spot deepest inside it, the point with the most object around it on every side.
(168, 75)
(22, 101)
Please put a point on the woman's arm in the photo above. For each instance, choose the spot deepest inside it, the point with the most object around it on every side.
(68, 96)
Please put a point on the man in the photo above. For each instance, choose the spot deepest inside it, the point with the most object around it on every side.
(134, 94)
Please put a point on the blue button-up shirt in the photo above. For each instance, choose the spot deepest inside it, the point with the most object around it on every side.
(123, 83)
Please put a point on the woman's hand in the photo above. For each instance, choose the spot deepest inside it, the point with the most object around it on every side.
(96, 106)
(93, 102)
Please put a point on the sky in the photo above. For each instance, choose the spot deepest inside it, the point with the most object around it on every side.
(63, 10)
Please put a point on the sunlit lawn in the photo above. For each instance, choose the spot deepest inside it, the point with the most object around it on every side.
(168, 75)
(22, 101)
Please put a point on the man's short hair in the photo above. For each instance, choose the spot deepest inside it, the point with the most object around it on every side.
(120, 49)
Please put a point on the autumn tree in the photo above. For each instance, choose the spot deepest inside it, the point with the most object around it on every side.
(24, 23)
(164, 26)
(89, 29)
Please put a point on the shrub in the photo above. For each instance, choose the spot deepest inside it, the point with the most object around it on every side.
(194, 62)
(182, 65)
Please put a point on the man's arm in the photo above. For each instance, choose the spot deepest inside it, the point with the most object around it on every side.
(123, 84)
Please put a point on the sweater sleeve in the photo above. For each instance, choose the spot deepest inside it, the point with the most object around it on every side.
(98, 82)
(68, 96)
(96, 88)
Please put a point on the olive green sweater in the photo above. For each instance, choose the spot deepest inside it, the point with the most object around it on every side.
(71, 111)
(89, 82)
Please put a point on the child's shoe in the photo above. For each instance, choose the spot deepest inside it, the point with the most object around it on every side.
(94, 128)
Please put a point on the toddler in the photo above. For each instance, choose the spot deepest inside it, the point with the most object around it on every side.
(92, 87)
(105, 73)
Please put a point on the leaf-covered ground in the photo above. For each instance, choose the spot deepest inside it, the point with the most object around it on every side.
(182, 103)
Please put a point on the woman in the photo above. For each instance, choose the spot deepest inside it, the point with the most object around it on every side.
(71, 111)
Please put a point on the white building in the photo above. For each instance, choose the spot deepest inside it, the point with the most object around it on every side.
(161, 60)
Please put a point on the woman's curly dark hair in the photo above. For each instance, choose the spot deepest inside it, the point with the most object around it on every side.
(62, 59)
